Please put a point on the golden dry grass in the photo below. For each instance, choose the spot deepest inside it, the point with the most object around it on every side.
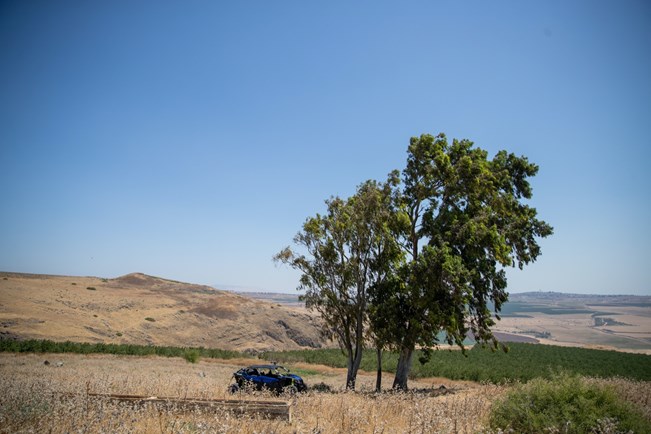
(636, 392)
(32, 399)
(35, 397)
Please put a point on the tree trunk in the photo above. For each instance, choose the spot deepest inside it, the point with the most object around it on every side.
(402, 371)
(354, 360)
(350, 380)
(350, 372)
(378, 379)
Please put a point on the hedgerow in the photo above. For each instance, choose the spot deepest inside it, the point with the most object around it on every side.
(48, 346)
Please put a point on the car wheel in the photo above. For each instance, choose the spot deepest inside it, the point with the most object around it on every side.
(290, 390)
(233, 388)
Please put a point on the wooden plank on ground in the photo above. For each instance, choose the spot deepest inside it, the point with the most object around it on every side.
(270, 409)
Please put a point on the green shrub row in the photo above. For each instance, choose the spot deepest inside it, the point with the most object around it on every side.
(47, 346)
(523, 362)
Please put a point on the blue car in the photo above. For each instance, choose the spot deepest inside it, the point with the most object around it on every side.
(271, 377)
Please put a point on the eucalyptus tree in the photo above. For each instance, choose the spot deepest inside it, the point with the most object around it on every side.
(340, 256)
(462, 220)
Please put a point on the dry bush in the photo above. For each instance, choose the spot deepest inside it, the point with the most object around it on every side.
(636, 392)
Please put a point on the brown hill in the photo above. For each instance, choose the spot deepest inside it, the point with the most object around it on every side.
(142, 309)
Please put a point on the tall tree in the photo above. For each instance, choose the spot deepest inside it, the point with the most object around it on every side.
(344, 255)
(462, 221)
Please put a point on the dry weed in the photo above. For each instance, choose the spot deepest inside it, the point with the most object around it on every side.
(48, 398)
(636, 392)
(36, 398)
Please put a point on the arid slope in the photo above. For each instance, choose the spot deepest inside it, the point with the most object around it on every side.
(142, 309)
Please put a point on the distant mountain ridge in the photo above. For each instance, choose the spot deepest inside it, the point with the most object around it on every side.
(594, 299)
(276, 297)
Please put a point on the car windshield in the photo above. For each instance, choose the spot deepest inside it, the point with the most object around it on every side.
(269, 370)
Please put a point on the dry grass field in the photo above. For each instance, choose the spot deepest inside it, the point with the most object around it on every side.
(145, 310)
(33, 399)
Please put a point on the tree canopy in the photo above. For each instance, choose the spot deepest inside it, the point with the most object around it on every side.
(463, 221)
(345, 253)
(413, 261)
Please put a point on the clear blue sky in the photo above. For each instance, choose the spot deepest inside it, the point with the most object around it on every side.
(190, 140)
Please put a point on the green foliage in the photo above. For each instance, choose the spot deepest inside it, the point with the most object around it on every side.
(399, 266)
(91, 288)
(150, 319)
(47, 346)
(565, 404)
(304, 372)
(604, 321)
(348, 251)
(523, 362)
(191, 355)
(461, 220)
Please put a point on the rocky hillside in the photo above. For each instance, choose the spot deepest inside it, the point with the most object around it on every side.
(142, 309)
